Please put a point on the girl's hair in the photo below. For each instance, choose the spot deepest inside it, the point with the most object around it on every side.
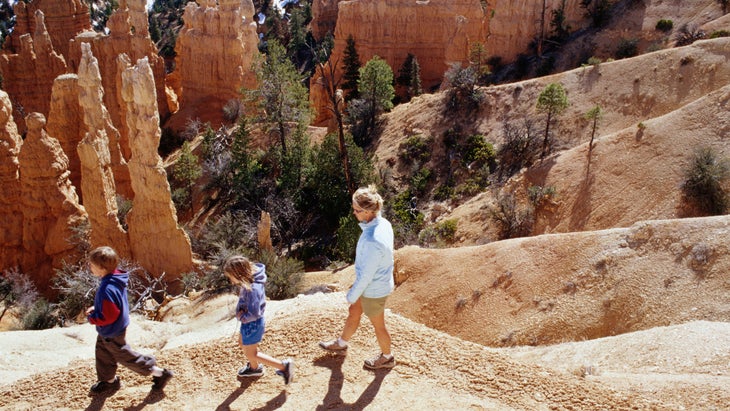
(368, 198)
(239, 267)
(104, 257)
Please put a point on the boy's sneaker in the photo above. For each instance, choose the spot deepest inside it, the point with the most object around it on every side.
(333, 346)
(247, 371)
(288, 372)
(380, 362)
(103, 386)
(159, 383)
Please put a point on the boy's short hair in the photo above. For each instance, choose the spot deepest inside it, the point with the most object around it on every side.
(105, 257)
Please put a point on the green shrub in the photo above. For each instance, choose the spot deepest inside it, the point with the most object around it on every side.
(719, 33)
(40, 316)
(346, 238)
(407, 220)
(627, 48)
(538, 195)
(76, 287)
(477, 152)
(664, 25)
(688, 34)
(593, 61)
(512, 220)
(17, 291)
(420, 180)
(284, 275)
(443, 192)
(124, 205)
(704, 180)
(440, 233)
(416, 148)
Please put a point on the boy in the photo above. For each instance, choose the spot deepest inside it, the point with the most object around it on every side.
(110, 315)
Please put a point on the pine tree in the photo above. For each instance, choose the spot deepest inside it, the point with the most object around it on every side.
(553, 101)
(409, 76)
(351, 67)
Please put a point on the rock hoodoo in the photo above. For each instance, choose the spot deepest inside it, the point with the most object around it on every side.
(157, 242)
(11, 234)
(64, 18)
(100, 160)
(128, 34)
(28, 75)
(66, 124)
(49, 204)
(215, 50)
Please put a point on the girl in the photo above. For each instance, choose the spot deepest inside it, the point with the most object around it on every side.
(250, 312)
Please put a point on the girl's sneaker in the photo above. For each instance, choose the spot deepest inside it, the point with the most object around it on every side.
(288, 372)
(247, 371)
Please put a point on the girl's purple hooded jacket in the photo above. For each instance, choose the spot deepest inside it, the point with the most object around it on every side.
(252, 302)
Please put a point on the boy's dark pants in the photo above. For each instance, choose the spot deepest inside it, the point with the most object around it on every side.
(115, 350)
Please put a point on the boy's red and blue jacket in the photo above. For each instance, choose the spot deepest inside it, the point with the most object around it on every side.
(111, 307)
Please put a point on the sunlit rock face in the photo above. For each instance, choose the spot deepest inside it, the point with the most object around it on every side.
(64, 19)
(128, 34)
(100, 160)
(49, 204)
(157, 242)
(28, 73)
(215, 50)
(11, 229)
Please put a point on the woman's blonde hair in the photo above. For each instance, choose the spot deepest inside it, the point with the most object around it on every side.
(239, 267)
(368, 198)
(104, 257)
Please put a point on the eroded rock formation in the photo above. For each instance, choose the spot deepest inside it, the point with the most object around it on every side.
(215, 50)
(66, 124)
(324, 17)
(11, 229)
(100, 161)
(128, 34)
(64, 19)
(391, 29)
(49, 204)
(28, 75)
(157, 242)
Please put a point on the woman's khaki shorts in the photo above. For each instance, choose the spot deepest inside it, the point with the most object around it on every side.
(373, 306)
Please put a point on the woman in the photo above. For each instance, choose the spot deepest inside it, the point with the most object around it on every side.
(373, 277)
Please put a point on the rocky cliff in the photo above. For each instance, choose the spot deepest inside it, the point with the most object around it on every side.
(66, 124)
(157, 242)
(100, 158)
(28, 75)
(11, 230)
(215, 50)
(128, 34)
(49, 204)
(391, 29)
(324, 17)
(64, 19)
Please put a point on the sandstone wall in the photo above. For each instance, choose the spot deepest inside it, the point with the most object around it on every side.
(49, 205)
(513, 24)
(11, 229)
(215, 50)
(28, 75)
(393, 28)
(64, 19)
(128, 34)
(157, 242)
(100, 158)
(324, 17)
(66, 124)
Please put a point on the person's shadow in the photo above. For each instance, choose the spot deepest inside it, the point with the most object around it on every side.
(98, 400)
(333, 398)
(272, 404)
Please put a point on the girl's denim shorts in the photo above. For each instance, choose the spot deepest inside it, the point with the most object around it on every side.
(253, 332)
